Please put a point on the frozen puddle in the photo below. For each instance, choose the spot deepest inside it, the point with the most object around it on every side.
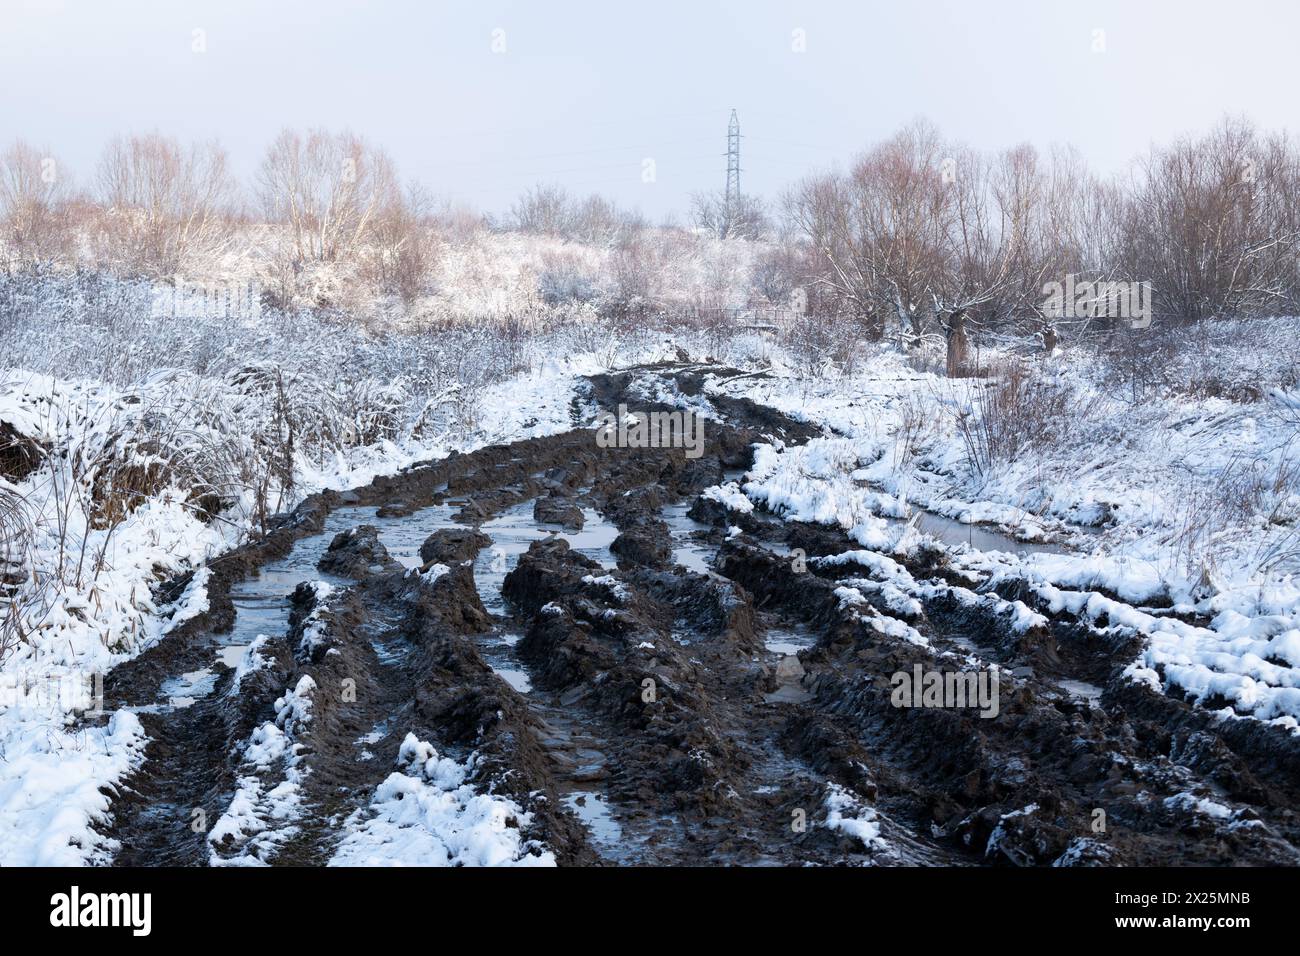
(183, 691)
(379, 732)
(789, 672)
(262, 602)
(403, 536)
(514, 530)
(1081, 690)
(593, 811)
(687, 551)
(515, 678)
(952, 532)
(786, 642)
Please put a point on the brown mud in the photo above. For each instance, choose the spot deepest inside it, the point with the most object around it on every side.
(528, 604)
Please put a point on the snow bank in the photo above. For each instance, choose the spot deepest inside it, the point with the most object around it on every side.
(1193, 492)
(427, 815)
(268, 801)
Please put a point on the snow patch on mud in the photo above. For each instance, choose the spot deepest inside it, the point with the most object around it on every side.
(847, 814)
(427, 815)
(262, 815)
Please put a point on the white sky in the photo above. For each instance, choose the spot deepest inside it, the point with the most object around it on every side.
(585, 91)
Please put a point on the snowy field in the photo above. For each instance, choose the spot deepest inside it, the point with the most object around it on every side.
(119, 485)
(1162, 506)
(1180, 506)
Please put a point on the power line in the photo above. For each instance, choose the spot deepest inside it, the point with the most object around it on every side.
(733, 162)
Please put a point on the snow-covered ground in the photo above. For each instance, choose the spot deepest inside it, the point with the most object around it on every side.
(1183, 501)
(83, 596)
(426, 815)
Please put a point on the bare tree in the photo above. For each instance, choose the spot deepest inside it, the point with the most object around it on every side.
(34, 206)
(164, 205)
(599, 222)
(544, 210)
(776, 274)
(928, 234)
(877, 234)
(326, 188)
(745, 217)
(400, 250)
(1212, 223)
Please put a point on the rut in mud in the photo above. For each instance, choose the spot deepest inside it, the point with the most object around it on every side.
(651, 678)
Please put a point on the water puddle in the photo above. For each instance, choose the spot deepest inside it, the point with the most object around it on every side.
(593, 811)
(787, 642)
(514, 530)
(181, 692)
(789, 673)
(688, 551)
(368, 740)
(1080, 690)
(949, 531)
(402, 536)
(515, 677)
(262, 601)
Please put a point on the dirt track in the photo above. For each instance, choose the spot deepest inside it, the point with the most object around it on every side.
(737, 745)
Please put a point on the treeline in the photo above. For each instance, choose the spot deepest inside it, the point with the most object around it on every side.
(929, 233)
(918, 232)
(158, 208)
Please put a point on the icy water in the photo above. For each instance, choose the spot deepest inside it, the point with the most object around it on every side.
(184, 690)
(1080, 690)
(786, 641)
(514, 530)
(262, 601)
(687, 551)
(593, 811)
(980, 537)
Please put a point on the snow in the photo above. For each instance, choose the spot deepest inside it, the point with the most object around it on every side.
(615, 587)
(250, 661)
(1165, 477)
(268, 801)
(86, 605)
(50, 790)
(314, 627)
(729, 496)
(1190, 803)
(426, 814)
(847, 814)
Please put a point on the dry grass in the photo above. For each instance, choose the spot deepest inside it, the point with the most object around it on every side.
(1001, 417)
(1247, 493)
(918, 424)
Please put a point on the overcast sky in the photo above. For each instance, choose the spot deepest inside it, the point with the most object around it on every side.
(480, 99)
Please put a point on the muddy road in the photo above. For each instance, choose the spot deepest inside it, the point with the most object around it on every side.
(651, 678)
